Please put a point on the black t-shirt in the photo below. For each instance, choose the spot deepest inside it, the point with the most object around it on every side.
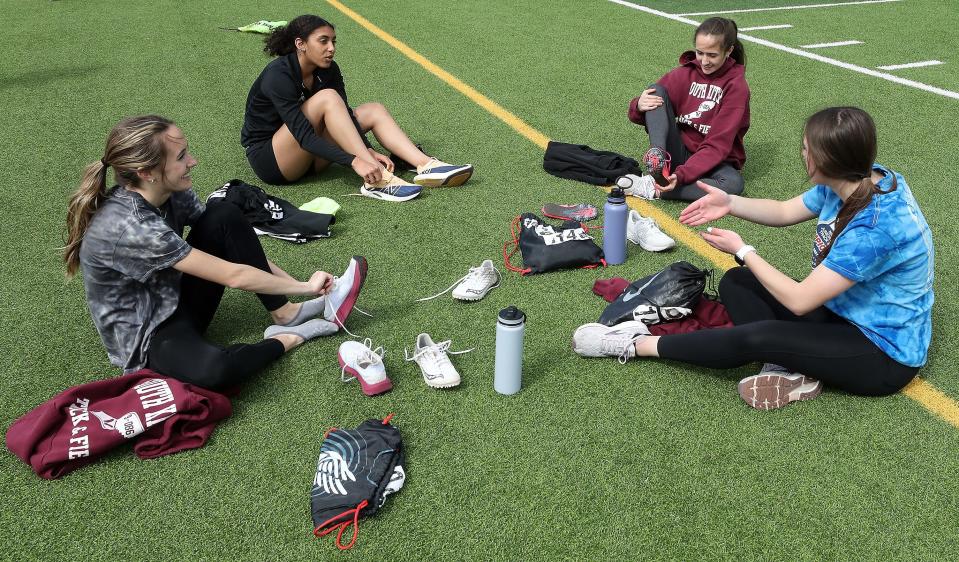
(275, 99)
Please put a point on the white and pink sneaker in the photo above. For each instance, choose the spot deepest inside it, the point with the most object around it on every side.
(365, 365)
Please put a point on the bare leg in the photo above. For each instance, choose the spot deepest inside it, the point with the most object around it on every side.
(375, 117)
(328, 115)
(647, 347)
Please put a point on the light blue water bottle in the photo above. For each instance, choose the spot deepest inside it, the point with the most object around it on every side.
(614, 227)
(510, 326)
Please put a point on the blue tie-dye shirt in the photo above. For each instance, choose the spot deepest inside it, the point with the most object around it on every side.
(887, 250)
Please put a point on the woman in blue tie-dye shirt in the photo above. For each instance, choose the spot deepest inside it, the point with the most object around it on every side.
(861, 321)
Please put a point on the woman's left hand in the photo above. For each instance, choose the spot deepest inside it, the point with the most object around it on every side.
(722, 239)
(387, 163)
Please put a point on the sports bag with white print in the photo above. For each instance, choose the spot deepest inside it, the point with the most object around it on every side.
(667, 295)
(356, 470)
(545, 247)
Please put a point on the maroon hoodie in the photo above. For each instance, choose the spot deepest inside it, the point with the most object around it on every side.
(712, 111)
(75, 427)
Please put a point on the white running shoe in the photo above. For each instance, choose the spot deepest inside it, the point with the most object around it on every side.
(438, 371)
(600, 340)
(437, 173)
(364, 364)
(638, 186)
(643, 231)
(776, 386)
(391, 188)
(346, 288)
(474, 285)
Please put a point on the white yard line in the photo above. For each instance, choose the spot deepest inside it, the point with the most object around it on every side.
(805, 54)
(800, 7)
(833, 44)
(761, 27)
(911, 65)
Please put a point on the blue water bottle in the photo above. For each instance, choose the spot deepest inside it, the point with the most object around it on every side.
(508, 374)
(614, 227)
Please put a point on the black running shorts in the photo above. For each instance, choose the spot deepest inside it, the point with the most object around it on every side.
(263, 162)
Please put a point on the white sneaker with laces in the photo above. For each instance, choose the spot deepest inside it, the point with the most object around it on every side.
(638, 186)
(776, 386)
(643, 231)
(600, 340)
(474, 285)
(364, 364)
(432, 358)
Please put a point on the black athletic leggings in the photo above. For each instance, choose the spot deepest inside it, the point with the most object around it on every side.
(820, 344)
(664, 133)
(178, 348)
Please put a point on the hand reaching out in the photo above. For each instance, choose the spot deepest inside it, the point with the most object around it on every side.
(714, 205)
(722, 239)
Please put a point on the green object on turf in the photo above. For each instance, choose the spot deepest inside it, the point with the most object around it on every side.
(323, 205)
(263, 26)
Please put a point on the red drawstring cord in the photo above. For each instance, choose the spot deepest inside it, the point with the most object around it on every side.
(513, 230)
(355, 521)
(387, 419)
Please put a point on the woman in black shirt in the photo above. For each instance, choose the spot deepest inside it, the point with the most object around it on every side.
(297, 118)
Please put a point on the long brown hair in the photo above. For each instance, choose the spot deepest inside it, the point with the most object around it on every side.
(134, 144)
(282, 40)
(725, 28)
(841, 144)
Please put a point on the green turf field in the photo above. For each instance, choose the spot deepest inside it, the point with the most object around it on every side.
(592, 460)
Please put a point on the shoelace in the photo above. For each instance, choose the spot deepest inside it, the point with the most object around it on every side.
(341, 322)
(473, 273)
(370, 356)
(621, 347)
(439, 352)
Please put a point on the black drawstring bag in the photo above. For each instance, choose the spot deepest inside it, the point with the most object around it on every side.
(272, 216)
(356, 470)
(664, 296)
(582, 163)
(546, 247)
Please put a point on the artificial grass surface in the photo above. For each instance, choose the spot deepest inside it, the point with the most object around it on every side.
(591, 459)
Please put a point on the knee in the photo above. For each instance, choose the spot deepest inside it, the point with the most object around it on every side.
(660, 91)
(369, 113)
(321, 102)
(734, 279)
(734, 184)
(219, 220)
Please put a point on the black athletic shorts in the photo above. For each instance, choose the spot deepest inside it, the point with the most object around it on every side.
(263, 162)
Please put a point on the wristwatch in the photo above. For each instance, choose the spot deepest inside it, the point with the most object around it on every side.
(741, 254)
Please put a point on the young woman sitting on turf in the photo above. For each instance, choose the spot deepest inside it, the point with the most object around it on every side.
(696, 117)
(152, 294)
(297, 119)
(861, 321)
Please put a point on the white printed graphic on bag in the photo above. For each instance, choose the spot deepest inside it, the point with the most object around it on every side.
(551, 236)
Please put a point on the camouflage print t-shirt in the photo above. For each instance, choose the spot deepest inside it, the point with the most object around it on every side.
(127, 257)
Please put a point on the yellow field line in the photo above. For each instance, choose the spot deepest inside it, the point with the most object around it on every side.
(919, 390)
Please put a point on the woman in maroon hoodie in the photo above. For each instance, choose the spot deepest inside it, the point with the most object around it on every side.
(696, 116)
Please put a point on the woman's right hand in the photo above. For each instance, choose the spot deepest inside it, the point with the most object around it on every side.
(714, 205)
(370, 172)
(648, 100)
(320, 283)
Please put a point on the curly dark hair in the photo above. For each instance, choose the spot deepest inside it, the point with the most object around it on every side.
(281, 41)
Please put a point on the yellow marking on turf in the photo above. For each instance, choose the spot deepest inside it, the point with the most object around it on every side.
(536, 137)
(919, 390)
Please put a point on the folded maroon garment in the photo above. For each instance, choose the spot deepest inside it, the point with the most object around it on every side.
(706, 314)
(79, 425)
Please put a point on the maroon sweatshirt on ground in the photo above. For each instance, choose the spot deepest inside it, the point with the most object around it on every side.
(712, 111)
(79, 425)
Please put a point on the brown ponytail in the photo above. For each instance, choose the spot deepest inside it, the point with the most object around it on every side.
(282, 41)
(841, 143)
(133, 144)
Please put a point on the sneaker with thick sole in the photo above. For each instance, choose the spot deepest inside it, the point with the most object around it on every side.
(600, 340)
(346, 288)
(577, 212)
(479, 281)
(637, 186)
(643, 231)
(775, 387)
(437, 173)
(657, 162)
(365, 365)
(391, 188)
(432, 358)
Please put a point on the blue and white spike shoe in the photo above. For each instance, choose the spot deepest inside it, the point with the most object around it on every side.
(437, 173)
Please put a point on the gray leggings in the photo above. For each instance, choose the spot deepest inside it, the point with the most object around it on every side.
(664, 132)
